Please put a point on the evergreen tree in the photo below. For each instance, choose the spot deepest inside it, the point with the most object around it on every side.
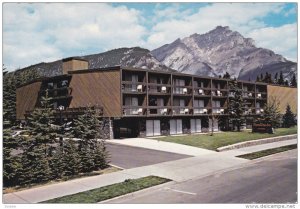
(261, 77)
(65, 161)
(226, 75)
(271, 114)
(281, 80)
(236, 106)
(87, 128)
(276, 78)
(289, 118)
(286, 83)
(294, 81)
(11, 163)
(37, 147)
(257, 79)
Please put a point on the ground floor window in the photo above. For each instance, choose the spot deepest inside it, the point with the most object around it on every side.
(195, 125)
(152, 127)
(176, 126)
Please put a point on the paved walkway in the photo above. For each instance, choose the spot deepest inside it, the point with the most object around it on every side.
(178, 171)
(156, 144)
(203, 163)
(261, 147)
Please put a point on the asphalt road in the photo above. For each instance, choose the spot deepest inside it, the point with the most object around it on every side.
(271, 180)
(131, 157)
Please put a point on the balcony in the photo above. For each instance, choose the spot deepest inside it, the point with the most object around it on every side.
(201, 111)
(248, 95)
(57, 93)
(182, 91)
(218, 110)
(219, 93)
(259, 110)
(261, 96)
(202, 92)
(159, 89)
(155, 110)
(134, 111)
(135, 88)
(181, 111)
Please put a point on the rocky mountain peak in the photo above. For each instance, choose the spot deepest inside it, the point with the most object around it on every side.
(218, 51)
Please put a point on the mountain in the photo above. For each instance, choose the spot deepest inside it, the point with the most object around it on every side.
(132, 57)
(221, 50)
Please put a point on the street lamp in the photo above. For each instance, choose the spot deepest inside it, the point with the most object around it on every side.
(61, 108)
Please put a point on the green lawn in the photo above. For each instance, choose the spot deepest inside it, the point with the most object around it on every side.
(111, 191)
(223, 139)
(263, 153)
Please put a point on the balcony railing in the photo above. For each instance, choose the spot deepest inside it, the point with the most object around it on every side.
(158, 110)
(249, 95)
(219, 93)
(182, 90)
(202, 92)
(201, 110)
(218, 110)
(133, 88)
(57, 93)
(159, 89)
(181, 110)
(134, 111)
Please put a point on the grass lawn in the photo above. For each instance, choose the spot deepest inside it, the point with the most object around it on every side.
(111, 191)
(263, 153)
(223, 139)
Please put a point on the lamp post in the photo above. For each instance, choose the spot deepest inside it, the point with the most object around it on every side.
(61, 108)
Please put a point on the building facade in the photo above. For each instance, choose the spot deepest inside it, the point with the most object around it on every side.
(140, 103)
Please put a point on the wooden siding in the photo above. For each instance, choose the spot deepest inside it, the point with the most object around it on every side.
(97, 88)
(26, 98)
(284, 95)
(73, 65)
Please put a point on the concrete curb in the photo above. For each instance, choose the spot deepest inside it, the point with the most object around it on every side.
(256, 142)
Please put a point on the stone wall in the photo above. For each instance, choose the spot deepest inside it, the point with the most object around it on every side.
(106, 128)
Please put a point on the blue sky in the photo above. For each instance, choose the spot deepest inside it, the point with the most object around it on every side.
(40, 32)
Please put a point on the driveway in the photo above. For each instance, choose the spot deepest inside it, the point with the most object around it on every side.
(130, 157)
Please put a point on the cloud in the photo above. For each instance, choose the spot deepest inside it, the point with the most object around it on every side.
(282, 40)
(45, 32)
(41, 32)
(238, 16)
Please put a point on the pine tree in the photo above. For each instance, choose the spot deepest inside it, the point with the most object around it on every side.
(87, 128)
(281, 80)
(11, 163)
(226, 75)
(39, 144)
(236, 106)
(271, 114)
(65, 160)
(286, 83)
(289, 118)
(294, 81)
(261, 77)
(276, 78)
(257, 79)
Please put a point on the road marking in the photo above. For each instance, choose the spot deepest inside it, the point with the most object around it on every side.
(179, 191)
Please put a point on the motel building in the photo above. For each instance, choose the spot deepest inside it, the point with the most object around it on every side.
(144, 103)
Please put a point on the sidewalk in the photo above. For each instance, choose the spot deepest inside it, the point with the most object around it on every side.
(178, 170)
(156, 144)
(204, 162)
(261, 147)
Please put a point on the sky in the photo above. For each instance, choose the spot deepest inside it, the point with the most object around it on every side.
(45, 32)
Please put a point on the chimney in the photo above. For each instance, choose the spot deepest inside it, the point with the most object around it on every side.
(73, 64)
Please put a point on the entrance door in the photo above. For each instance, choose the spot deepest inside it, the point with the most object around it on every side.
(195, 125)
(152, 127)
(176, 126)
